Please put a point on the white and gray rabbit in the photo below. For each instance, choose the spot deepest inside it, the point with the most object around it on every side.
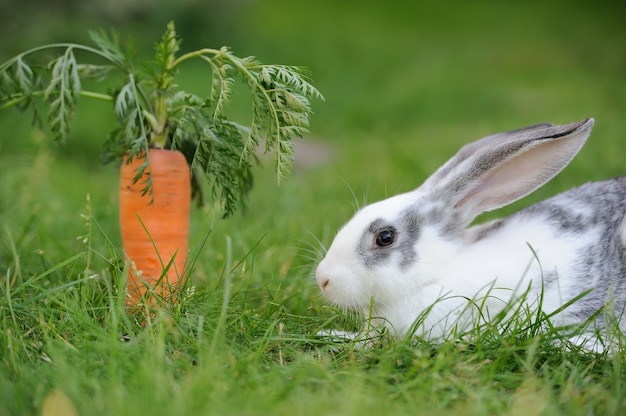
(415, 255)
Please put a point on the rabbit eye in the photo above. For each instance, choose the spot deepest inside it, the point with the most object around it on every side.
(385, 237)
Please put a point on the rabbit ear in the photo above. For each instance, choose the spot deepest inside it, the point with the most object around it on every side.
(471, 148)
(499, 169)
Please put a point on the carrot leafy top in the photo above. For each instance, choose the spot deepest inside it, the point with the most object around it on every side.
(152, 112)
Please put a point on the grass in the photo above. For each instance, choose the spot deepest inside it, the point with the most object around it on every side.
(405, 87)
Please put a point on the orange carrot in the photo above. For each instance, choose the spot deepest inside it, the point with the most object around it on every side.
(155, 226)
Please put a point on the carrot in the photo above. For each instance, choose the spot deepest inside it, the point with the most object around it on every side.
(155, 226)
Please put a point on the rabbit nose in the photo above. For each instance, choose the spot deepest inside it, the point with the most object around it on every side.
(321, 277)
(323, 282)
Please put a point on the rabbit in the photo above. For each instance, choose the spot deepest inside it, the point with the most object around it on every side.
(415, 263)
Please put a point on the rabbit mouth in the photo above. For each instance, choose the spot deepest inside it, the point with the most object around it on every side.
(341, 286)
(349, 301)
(336, 294)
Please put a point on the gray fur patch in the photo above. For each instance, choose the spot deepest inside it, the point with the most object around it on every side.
(593, 205)
(442, 216)
(487, 229)
(549, 279)
(603, 270)
(407, 229)
(596, 209)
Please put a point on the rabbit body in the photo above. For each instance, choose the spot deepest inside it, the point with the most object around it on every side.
(414, 262)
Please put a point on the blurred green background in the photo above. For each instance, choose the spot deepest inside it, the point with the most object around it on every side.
(406, 84)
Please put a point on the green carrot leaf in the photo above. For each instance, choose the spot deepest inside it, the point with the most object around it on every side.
(62, 93)
(110, 47)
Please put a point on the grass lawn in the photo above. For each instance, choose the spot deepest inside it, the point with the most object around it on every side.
(405, 87)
